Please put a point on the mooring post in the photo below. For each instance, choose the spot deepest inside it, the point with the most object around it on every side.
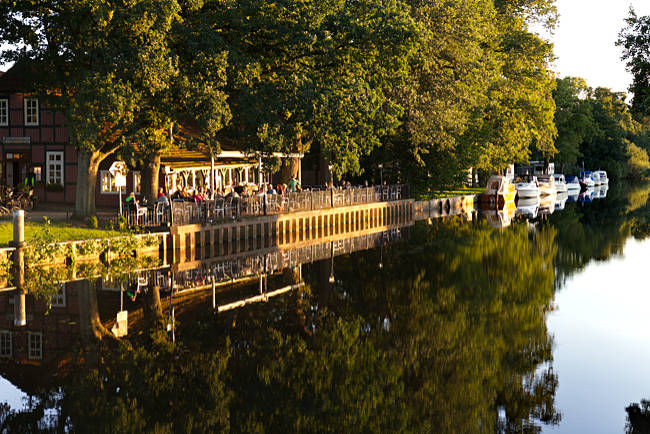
(20, 311)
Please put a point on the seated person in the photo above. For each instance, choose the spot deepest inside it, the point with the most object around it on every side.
(131, 202)
(162, 198)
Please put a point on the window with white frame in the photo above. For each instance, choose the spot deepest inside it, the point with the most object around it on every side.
(107, 183)
(54, 167)
(4, 112)
(35, 345)
(6, 344)
(31, 111)
(59, 299)
(136, 182)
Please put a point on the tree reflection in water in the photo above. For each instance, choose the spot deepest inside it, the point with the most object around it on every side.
(447, 335)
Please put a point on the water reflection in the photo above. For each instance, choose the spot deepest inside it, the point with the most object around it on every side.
(440, 327)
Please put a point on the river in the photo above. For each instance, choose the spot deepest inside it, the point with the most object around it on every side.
(448, 325)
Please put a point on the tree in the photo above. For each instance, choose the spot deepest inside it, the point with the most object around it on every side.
(573, 118)
(111, 69)
(635, 40)
(305, 71)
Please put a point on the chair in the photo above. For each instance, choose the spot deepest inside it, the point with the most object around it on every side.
(140, 211)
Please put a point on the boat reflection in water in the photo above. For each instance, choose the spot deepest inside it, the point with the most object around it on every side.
(547, 204)
(562, 199)
(600, 192)
(501, 218)
(528, 207)
(573, 197)
(587, 195)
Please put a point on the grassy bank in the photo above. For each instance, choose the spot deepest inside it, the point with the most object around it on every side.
(437, 194)
(61, 230)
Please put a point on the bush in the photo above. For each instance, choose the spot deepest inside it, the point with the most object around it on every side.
(92, 222)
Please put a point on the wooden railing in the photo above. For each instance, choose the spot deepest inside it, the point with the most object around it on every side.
(224, 209)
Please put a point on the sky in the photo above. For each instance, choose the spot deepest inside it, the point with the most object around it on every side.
(585, 40)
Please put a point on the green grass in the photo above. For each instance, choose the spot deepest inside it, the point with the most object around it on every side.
(61, 231)
(437, 194)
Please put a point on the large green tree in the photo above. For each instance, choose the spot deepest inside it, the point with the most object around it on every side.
(313, 70)
(113, 68)
(573, 118)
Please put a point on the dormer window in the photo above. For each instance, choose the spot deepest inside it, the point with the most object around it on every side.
(31, 111)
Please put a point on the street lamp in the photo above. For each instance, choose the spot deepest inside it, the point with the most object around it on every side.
(330, 167)
(332, 263)
(381, 173)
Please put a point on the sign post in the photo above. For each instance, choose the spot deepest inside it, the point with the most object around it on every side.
(118, 171)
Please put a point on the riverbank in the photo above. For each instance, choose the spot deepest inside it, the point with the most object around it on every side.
(61, 231)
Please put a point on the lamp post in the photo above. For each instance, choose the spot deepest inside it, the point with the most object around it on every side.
(381, 173)
(330, 167)
(332, 263)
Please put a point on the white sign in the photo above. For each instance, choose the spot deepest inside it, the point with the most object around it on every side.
(121, 327)
(16, 140)
(118, 170)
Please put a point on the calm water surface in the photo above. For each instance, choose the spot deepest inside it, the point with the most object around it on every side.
(453, 326)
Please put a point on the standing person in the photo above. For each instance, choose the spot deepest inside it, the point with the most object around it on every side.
(30, 179)
(293, 183)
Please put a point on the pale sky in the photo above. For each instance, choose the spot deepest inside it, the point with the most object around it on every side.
(585, 37)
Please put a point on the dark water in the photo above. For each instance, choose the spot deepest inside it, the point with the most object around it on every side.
(452, 326)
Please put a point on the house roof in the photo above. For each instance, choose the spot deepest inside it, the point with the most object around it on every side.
(18, 78)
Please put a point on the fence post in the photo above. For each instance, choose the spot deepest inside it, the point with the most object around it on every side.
(20, 311)
(311, 200)
(332, 197)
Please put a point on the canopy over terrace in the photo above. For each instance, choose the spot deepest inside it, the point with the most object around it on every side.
(191, 168)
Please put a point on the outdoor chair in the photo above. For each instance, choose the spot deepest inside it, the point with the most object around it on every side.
(140, 212)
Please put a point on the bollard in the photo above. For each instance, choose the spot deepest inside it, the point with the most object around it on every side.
(20, 311)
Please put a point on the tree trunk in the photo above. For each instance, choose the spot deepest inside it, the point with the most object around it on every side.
(289, 168)
(87, 167)
(150, 177)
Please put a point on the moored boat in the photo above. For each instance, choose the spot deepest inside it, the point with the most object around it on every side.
(585, 179)
(572, 185)
(560, 183)
(602, 176)
(499, 191)
(547, 185)
(527, 187)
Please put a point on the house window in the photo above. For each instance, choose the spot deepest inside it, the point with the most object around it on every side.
(31, 111)
(6, 345)
(55, 168)
(108, 183)
(35, 345)
(59, 299)
(4, 112)
(136, 182)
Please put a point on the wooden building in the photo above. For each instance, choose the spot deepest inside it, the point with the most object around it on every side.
(34, 136)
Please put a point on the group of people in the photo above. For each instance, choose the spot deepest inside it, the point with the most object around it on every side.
(201, 194)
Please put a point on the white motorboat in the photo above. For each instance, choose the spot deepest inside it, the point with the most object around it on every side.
(499, 191)
(602, 176)
(586, 180)
(527, 188)
(547, 185)
(528, 207)
(596, 177)
(572, 185)
(560, 183)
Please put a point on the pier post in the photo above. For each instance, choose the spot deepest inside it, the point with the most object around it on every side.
(20, 310)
